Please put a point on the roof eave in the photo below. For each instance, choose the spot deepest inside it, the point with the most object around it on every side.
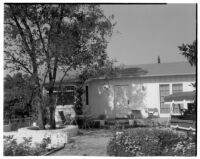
(103, 78)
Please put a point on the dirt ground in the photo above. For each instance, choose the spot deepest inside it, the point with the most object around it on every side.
(87, 143)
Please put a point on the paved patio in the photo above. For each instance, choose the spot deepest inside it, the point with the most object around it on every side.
(87, 143)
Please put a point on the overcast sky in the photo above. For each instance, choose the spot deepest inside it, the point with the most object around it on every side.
(146, 31)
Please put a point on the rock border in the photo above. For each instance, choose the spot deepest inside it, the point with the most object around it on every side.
(58, 137)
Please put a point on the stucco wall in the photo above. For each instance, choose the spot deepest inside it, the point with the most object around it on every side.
(142, 92)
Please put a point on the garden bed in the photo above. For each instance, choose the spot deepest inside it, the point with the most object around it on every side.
(151, 142)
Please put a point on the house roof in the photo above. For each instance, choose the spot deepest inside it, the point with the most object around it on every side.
(180, 96)
(151, 70)
(142, 70)
(173, 68)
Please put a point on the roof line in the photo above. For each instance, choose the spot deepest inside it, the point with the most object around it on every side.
(102, 78)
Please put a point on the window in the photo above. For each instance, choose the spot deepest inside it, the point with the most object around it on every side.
(86, 95)
(64, 95)
(176, 88)
(164, 91)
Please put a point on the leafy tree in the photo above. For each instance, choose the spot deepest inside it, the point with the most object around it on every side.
(44, 39)
(18, 96)
(190, 52)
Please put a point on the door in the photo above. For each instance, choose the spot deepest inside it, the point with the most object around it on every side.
(121, 101)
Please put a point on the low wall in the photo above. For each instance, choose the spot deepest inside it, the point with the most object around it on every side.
(58, 136)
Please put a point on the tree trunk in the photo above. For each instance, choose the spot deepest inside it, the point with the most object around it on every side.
(41, 113)
(40, 120)
(52, 118)
(52, 110)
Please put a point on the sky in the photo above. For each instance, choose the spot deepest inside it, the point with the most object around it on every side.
(144, 32)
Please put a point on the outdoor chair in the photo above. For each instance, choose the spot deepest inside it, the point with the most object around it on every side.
(67, 120)
(152, 112)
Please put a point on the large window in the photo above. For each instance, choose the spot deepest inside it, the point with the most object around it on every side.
(64, 95)
(164, 91)
(176, 88)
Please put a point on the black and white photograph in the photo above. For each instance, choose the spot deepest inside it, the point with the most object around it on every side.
(99, 79)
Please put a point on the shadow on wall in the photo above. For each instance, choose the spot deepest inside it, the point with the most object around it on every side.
(137, 96)
(106, 97)
(119, 101)
(126, 72)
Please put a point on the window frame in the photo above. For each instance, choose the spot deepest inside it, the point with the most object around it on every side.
(63, 90)
(174, 85)
(164, 108)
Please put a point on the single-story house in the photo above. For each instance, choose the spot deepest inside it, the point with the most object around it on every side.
(136, 87)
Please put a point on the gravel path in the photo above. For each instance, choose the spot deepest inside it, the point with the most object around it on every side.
(88, 143)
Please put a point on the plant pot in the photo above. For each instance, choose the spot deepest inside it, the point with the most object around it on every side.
(131, 122)
(102, 122)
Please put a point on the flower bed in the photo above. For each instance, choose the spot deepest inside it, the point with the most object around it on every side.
(12, 148)
(151, 142)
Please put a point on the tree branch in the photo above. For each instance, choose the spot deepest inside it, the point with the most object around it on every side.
(15, 60)
(56, 55)
(20, 30)
(65, 73)
(40, 35)
(29, 33)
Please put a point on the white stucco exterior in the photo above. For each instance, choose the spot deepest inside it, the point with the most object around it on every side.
(142, 92)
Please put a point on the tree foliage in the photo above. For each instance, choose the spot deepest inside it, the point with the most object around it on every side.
(18, 95)
(190, 52)
(44, 39)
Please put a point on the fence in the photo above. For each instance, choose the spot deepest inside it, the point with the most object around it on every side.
(15, 124)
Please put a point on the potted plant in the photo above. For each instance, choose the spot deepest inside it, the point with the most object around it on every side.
(102, 118)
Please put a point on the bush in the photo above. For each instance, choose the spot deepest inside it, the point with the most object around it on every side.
(12, 148)
(150, 142)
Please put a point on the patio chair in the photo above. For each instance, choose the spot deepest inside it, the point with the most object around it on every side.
(65, 119)
(152, 112)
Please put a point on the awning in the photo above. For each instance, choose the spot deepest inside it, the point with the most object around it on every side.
(180, 96)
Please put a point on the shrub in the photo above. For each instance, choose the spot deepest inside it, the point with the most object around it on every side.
(150, 142)
(12, 148)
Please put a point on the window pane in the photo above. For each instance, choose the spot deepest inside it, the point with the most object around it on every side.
(162, 99)
(177, 88)
(165, 108)
(68, 98)
(64, 95)
(164, 91)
